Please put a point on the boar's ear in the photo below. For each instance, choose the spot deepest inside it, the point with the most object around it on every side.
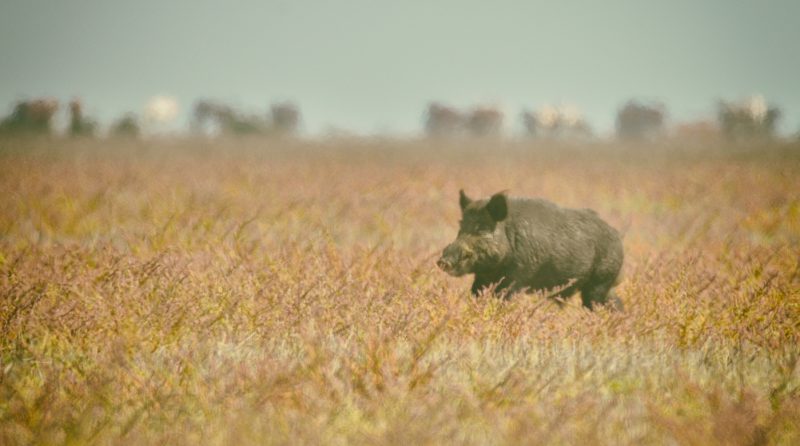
(498, 206)
(463, 199)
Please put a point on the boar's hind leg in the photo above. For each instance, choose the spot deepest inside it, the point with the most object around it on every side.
(561, 297)
(600, 294)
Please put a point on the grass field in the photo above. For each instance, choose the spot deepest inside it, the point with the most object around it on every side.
(257, 292)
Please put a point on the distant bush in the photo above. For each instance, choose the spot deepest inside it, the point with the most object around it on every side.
(560, 122)
(217, 117)
(224, 119)
(126, 127)
(485, 121)
(30, 117)
(285, 118)
(751, 118)
(446, 121)
(636, 120)
(79, 125)
(443, 121)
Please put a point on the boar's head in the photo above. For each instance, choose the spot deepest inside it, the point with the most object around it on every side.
(482, 242)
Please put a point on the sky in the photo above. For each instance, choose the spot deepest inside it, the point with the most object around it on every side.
(371, 66)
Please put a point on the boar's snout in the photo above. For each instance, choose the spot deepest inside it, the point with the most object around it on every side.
(456, 260)
(443, 264)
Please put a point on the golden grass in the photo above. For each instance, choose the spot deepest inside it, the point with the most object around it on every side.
(257, 292)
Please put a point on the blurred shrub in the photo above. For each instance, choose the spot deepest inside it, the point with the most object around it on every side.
(285, 118)
(216, 117)
(213, 117)
(446, 121)
(560, 122)
(443, 121)
(637, 120)
(30, 117)
(126, 127)
(748, 119)
(485, 121)
(79, 125)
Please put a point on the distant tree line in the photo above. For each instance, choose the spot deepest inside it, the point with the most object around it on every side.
(445, 121)
(214, 117)
(636, 120)
(748, 119)
(37, 116)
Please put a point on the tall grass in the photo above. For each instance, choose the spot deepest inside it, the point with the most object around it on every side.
(278, 292)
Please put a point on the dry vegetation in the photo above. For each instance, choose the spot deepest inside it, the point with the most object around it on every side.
(274, 292)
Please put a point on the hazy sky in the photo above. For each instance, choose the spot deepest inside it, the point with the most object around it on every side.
(370, 66)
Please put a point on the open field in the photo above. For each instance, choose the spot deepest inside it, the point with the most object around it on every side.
(252, 292)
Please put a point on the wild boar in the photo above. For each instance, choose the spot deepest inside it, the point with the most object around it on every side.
(532, 244)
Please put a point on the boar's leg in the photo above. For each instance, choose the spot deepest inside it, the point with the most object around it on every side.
(600, 294)
(614, 302)
(485, 281)
(561, 297)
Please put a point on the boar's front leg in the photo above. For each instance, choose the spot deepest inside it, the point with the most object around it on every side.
(478, 284)
(484, 281)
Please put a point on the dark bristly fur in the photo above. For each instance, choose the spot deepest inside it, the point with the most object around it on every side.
(531, 244)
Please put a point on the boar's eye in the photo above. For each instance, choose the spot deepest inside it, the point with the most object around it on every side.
(475, 226)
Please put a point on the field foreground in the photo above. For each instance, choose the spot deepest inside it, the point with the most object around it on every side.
(273, 293)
